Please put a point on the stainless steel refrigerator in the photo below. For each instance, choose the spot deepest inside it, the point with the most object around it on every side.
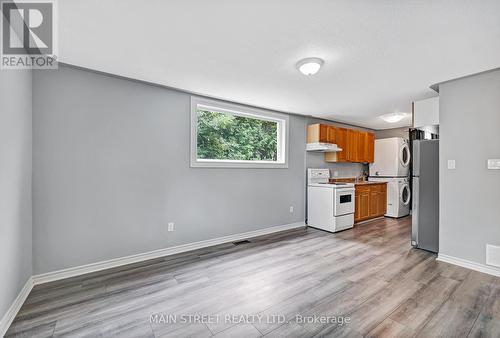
(425, 179)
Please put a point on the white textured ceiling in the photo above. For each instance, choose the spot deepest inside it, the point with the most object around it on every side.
(379, 55)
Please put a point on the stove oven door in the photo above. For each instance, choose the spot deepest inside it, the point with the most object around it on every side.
(344, 201)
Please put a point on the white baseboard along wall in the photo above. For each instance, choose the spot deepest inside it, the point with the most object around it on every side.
(469, 265)
(112, 263)
(11, 313)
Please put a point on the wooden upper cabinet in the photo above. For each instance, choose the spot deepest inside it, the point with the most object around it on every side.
(357, 146)
(341, 142)
(332, 133)
(370, 148)
(352, 145)
(365, 147)
(361, 154)
(321, 133)
(317, 133)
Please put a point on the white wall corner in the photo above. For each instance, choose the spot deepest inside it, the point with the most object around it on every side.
(11, 313)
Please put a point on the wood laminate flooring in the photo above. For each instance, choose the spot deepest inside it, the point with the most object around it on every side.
(269, 286)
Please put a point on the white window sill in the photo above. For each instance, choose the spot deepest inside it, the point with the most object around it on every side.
(238, 164)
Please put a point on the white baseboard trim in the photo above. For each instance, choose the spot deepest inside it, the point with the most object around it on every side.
(11, 313)
(112, 263)
(469, 265)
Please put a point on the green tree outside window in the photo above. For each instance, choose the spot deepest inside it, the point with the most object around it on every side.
(224, 136)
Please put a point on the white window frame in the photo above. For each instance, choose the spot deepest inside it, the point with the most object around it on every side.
(239, 110)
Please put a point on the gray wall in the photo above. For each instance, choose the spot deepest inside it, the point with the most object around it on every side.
(394, 132)
(111, 168)
(470, 194)
(317, 160)
(15, 184)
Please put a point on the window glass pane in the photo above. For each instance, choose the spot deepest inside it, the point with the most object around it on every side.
(223, 136)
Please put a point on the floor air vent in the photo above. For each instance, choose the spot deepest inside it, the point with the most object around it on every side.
(493, 255)
(241, 242)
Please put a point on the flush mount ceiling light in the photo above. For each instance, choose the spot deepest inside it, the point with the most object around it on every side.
(393, 117)
(309, 66)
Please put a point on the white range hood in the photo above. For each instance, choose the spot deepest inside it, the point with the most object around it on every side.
(322, 147)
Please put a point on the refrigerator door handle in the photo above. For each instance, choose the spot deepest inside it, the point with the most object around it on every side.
(414, 216)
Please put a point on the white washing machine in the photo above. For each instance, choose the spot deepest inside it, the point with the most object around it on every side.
(398, 195)
(392, 158)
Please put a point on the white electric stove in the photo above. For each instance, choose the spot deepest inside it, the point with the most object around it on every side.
(330, 207)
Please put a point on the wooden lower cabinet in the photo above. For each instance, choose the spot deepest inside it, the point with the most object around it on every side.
(382, 205)
(370, 201)
(373, 208)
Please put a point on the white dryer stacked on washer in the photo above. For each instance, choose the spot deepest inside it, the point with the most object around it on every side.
(392, 165)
